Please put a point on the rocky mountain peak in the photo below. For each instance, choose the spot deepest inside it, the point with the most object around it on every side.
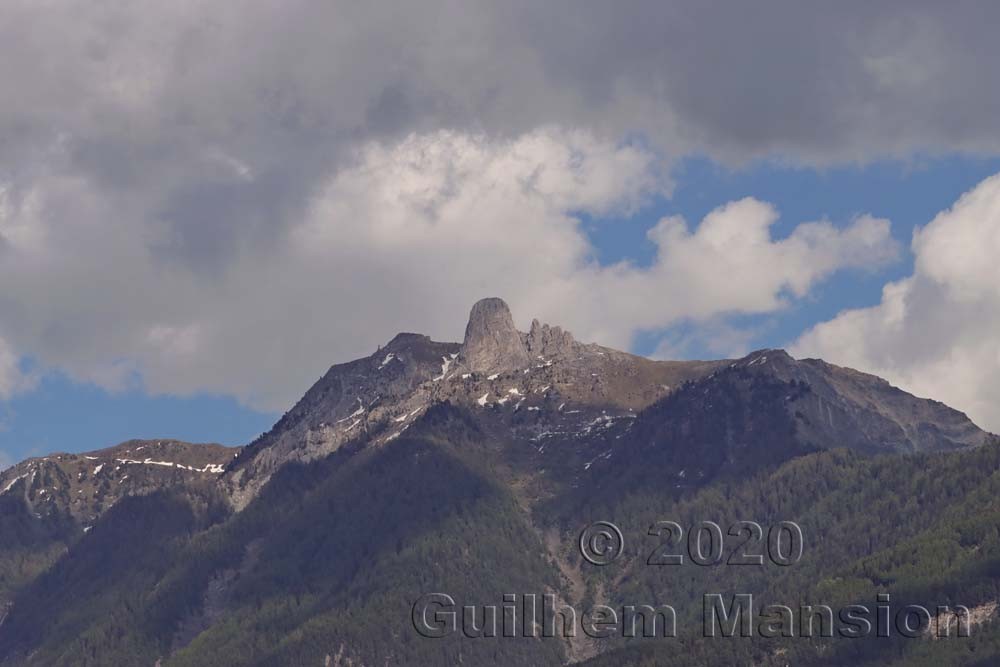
(548, 341)
(83, 486)
(546, 388)
(404, 340)
(492, 343)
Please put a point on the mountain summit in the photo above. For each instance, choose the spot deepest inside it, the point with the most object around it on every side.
(492, 343)
(579, 399)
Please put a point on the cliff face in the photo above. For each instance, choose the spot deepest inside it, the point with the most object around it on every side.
(491, 342)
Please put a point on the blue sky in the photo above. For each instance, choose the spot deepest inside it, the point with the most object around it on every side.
(908, 194)
(62, 415)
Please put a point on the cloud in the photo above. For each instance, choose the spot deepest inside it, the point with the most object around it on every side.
(180, 94)
(221, 197)
(13, 379)
(935, 332)
(405, 237)
(719, 337)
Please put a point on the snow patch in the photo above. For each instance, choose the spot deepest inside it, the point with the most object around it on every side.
(211, 467)
(445, 365)
(357, 413)
(15, 481)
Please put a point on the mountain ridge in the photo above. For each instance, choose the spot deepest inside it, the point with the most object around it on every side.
(495, 364)
(546, 371)
(86, 484)
(545, 387)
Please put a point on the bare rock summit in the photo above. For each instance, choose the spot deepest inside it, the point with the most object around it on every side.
(549, 341)
(492, 343)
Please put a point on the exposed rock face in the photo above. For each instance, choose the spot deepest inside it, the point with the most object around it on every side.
(351, 401)
(86, 485)
(845, 407)
(549, 341)
(492, 343)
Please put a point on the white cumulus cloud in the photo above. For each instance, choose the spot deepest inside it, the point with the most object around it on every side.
(404, 237)
(935, 332)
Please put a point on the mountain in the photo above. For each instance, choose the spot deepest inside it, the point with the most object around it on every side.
(48, 503)
(546, 388)
(541, 383)
(84, 486)
(470, 469)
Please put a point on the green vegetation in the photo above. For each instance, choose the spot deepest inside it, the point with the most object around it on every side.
(30, 544)
(923, 528)
(330, 558)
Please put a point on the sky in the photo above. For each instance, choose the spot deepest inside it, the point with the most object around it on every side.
(204, 207)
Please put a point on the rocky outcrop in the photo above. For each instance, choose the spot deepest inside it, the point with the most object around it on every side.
(546, 341)
(84, 486)
(492, 343)
(352, 401)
